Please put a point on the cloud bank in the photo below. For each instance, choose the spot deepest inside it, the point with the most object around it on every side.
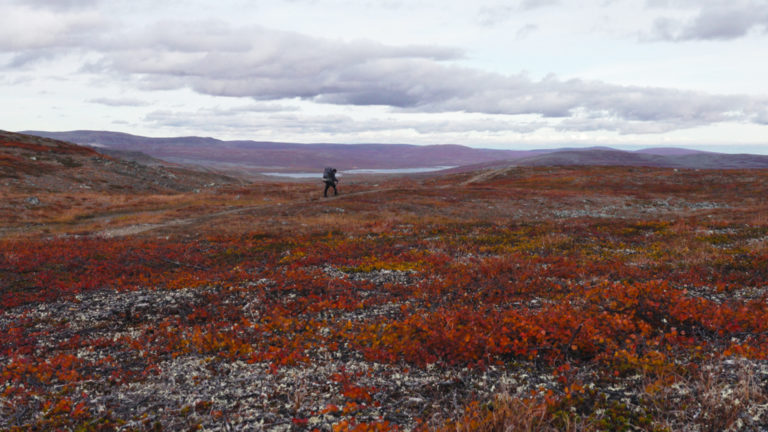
(713, 20)
(262, 64)
(269, 67)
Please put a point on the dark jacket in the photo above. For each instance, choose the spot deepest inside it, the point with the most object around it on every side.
(331, 177)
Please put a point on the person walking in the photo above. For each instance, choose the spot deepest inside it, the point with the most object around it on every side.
(329, 177)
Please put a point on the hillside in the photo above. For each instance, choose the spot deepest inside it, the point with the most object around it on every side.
(45, 181)
(536, 298)
(34, 164)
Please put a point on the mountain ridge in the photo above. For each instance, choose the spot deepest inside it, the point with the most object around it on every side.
(256, 157)
(271, 155)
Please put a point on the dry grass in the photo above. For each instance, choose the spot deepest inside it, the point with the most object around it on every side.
(722, 396)
(513, 414)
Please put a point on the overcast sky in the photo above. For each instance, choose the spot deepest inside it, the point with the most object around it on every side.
(515, 74)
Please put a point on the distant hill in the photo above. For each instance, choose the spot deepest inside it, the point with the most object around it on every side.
(271, 156)
(667, 159)
(669, 151)
(259, 156)
(33, 164)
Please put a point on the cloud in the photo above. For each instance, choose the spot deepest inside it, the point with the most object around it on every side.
(761, 117)
(217, 59)
(264, 65)
(130, 102)
(293, 122)
(262, 108)
(441, 124)
(24, 30)
(714, 20)
(535, 4)
(494, 14)
(59, 4)
(526, 31)
(621, 126)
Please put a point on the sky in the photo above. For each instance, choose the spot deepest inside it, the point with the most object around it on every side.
(507, 74)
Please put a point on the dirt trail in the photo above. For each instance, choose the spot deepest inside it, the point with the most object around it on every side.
(140, 228)
(486, 175)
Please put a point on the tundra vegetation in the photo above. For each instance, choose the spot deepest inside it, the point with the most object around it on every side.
(576, 298)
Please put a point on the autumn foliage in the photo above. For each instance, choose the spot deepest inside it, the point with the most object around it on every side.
(595, 279)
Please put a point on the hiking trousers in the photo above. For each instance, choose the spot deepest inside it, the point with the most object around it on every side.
(330, 185)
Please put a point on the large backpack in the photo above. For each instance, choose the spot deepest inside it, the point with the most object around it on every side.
(328, 173)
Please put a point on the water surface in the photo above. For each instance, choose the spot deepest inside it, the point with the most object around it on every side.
(361, 171)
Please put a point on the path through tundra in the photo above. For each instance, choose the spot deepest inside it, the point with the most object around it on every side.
(140, 228)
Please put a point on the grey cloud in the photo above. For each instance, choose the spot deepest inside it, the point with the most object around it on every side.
(555, 98)
(690, 4)
(27, 58)
(255, 108)
(26, 32)
(714, 20)
(280, 65)
(234, 119)
(169, 119)
(497, 13)
(535, 4)
(276, 65)
(214, 59)
(725, 23)
(622, 126)
(60, 4)
(227, 120)
(217, 120)
(259, 116)
(663, 29)
(212, 50)
(761, 117)
(224, 120)
(526, 30)
(494, 15)
(187, 37)
(131, 102)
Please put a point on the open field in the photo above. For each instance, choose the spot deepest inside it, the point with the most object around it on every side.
(534, 298)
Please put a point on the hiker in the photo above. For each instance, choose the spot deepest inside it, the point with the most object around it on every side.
(329, 177)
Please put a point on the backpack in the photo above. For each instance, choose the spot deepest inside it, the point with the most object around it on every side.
(328, 173)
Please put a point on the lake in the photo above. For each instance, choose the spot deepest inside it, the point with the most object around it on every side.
(361, 171)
